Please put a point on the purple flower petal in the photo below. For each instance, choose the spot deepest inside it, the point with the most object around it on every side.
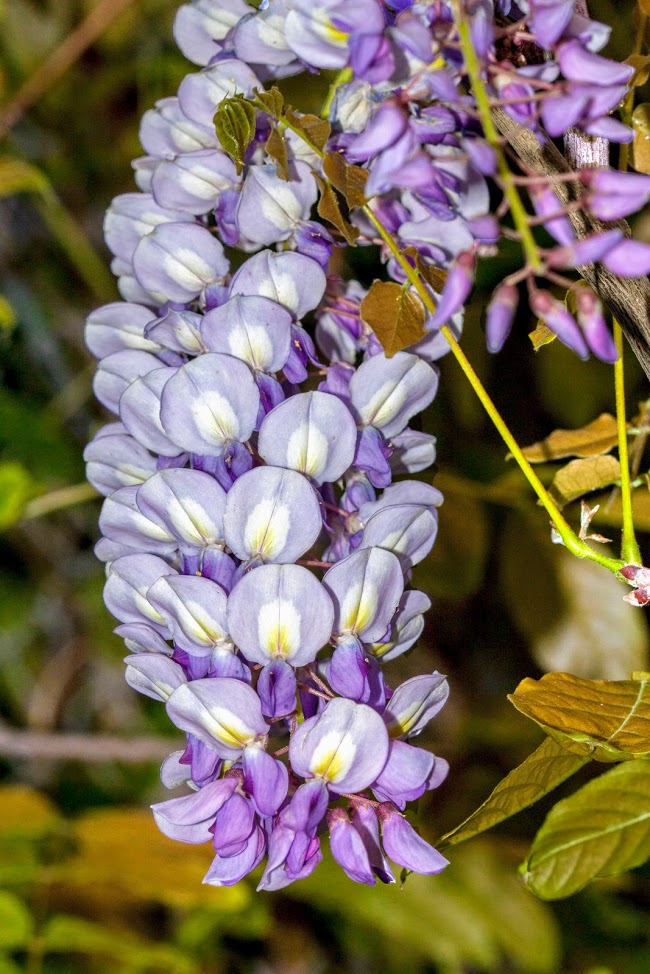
(254, 329)
(404, 846)
(225, 714)
(154, 675)
(272, 515)
(311, 432)
(280, 612)
(414, 703)
(210, 403)
(189, 818)
(346, 746)
(266, 780)
(365, 588)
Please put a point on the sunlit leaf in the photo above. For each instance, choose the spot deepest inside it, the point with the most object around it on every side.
(316, 129)
(122, 848)
(592, 440)
(540, 773)
(7, 315)
(640, 62)
(395, 315)
(330, 210)
(25, 812)
(541, 335)
(16, 922)
(608, 720)
(641, 141)
(601, 830)
(580, 477)
(349, 180)
(16, 488)
(234, 123)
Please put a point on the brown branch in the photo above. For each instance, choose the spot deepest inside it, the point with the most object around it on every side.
(83, 747)
(627, 298)
(60, 60)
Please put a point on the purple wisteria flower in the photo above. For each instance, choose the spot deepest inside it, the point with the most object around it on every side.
(259, 550)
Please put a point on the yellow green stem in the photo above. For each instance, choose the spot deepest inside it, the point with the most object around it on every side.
(571, 540)
(342, 78)
(473, 68)
(629, 547)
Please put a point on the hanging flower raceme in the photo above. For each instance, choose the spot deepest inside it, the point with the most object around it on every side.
(259, 551)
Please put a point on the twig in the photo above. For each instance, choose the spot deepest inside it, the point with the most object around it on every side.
(60, 60)
(627, 298)
(83, 747)
(59, 499)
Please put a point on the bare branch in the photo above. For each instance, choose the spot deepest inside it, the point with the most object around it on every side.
(37, 746)
(627, 298)
(60, 60)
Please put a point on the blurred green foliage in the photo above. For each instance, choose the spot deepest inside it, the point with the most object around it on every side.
(87, 884)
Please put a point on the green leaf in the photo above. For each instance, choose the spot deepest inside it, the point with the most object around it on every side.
(330, 210)
(234, 123)
(395, 315)
(7, 315)
(65, 934)
(608, 720)
(17, 176)
(349, 180)
(7, 966)
(592, 440)
(16, 488)
(276, 147)
(540, 773)
(581, 477)
(16, 922)
(601, 830)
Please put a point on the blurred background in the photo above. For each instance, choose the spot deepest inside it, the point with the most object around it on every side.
(86, 881)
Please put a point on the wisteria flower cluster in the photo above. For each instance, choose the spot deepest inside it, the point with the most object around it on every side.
(259, 550)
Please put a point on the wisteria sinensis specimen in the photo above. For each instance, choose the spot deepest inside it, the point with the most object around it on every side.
(260, 527)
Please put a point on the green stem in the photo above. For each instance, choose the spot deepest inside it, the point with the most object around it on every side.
(473, 68)
(629, 547)
(342, 78)
(571, 540)
(59, 499)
